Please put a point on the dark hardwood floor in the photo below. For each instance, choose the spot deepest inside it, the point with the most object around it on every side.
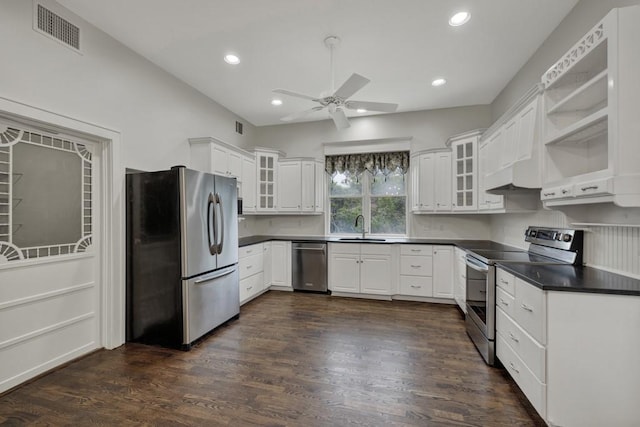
(291, 359)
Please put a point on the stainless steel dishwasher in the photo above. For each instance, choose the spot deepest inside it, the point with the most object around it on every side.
(309, 266)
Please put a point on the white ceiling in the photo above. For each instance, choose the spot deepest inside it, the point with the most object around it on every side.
(401, 45)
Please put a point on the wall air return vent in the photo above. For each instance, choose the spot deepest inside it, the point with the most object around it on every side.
(51, 24)
(239, 127)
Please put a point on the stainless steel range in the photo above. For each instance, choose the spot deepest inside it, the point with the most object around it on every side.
(547, 246)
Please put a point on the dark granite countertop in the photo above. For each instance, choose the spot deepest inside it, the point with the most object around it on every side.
(463, 244)
(574, 279)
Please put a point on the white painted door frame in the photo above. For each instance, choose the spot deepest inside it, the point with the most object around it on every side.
(112, 209)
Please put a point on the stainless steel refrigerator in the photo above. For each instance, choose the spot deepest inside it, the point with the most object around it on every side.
(182, 255)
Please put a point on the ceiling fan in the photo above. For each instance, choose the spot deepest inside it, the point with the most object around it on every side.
(339, 99)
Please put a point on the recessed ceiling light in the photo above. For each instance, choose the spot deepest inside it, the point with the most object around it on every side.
(231, 59)
(459, 18)
(361, 110)
(438, 82)
(276, 101)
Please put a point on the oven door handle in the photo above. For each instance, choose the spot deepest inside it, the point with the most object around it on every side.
(477, 265)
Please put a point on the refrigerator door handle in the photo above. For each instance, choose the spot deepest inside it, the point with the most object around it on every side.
(211, 215)
(220, 244)
(216, 275)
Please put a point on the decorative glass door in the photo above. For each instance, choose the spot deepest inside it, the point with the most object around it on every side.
(266, 181)
(46, 201)
(464, 187)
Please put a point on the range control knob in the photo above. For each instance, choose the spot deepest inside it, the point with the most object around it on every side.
(559, 236)
(566, 237)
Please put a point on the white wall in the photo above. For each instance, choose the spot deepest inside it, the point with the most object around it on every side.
(108, 85)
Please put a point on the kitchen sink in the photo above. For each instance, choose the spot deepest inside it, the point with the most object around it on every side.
(360, 239)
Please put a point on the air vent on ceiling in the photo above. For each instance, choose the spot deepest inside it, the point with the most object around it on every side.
(57, 27)
(239, 128)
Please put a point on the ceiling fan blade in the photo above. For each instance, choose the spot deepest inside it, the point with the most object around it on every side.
(351, 86)
(297, 115)
(340, 119)
(372, 106)
(295, 94)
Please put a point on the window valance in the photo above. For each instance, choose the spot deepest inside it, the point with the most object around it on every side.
(355, 164)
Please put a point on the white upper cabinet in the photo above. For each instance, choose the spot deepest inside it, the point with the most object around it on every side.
(486, 201)
(289, 186)
(321, 183)
(431, 181)
(214, 156)
(266, 181)
(591, 123)
(308, 186)
(465, 171)
(248, 188)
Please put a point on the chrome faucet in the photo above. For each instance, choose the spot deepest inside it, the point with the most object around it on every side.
(357, 218)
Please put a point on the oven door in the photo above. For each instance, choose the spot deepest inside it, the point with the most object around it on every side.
(481, 295)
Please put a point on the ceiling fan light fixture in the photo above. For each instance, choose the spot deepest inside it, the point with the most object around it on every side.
(459, 18)
(276, 102)
(361, 110)
(232, 59)
(438, 82)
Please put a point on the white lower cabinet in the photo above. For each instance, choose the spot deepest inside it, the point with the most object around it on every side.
(250, 265)
(361, 268)
(416, 270)
(268, 264)
(281, 264)
(443, 271)
(521, 336)
(460, 278)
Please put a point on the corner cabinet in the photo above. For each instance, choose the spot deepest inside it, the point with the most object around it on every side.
(590, 119)
(465, 170)
(431, 181)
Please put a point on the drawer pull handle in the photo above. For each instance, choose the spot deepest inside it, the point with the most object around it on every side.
(513, 337)
(503, 302)
(415, 266)
(590, 187)
(249, 288)
(513, 367)
(416, 286)
(527, 308)
(416, 250)
(550, 194)
(505, 282)
(565, 191)
(249, 266)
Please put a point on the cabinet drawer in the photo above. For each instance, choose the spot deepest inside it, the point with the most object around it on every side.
(416, 265)
(505, 301)
(528, 383)
(416, 286)
(246, 251)
(530, 310)
(251, 286)
(561, 192)
(505, 281)
(531, 353)
(594, 188)
(416, 250)
(250, 265)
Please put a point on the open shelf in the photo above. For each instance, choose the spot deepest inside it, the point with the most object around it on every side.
(585, 97)
(583, 130)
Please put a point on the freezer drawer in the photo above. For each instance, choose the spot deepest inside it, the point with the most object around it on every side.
(209, 301)
(309, 266)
